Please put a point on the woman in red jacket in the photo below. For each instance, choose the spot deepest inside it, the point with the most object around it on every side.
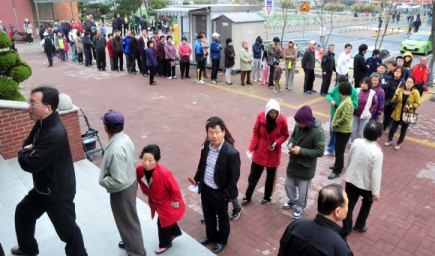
(270, 131)
(164, 195)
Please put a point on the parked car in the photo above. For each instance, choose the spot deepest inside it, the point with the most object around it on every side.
(385, 56)
(419, 42)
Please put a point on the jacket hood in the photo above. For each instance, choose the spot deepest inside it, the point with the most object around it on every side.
(305, 116)
(408, 54)
(272, 105)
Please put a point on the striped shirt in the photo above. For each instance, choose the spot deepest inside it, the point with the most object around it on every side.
(210, 166)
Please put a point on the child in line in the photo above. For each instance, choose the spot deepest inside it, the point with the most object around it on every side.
(66, 47)
(266, 68)
(111, 52)
(277, 75)
(59, 45)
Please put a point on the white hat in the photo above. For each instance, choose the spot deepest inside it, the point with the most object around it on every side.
(313, 42)
(215, 34)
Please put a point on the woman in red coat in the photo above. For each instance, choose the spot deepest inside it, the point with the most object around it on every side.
(270, 131)
(164, 195)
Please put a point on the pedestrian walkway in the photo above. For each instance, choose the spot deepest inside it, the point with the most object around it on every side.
(172, 114)
(94, 216)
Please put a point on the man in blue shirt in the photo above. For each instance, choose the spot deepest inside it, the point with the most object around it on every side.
(215, 55)
(373, 62)
(199, 57)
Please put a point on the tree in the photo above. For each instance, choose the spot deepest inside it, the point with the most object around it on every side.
(363, 7)
(12, 71)
(391, 8)
(320, 13)
(334, 7)
(130, 6)
(285, 6)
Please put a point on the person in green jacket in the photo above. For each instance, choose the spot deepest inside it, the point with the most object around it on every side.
(131, 22)
(305, 145)
(342, 126)
(333, 97)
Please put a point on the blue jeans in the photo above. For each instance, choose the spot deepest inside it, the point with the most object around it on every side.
(331, 142)
(74, 52)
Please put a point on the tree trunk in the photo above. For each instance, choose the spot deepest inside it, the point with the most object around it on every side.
(432, 32)
(387, 21)
(332, 27)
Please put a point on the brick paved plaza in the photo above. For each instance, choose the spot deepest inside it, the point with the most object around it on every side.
(172, 114)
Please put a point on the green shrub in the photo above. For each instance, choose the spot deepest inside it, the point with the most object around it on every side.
(8, 59)
(20, 73)
(7, 87)
(5, 42)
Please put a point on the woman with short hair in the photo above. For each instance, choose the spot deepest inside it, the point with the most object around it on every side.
(245, 63)
(230, 56)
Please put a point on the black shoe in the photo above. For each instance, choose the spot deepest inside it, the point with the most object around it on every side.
(104, 69)
(153, 83)
(121, 70)
(313, 91)
(245, 201)
(364, 229)
(205, 76)
(323, 94)
(130, 72)
(203, 220)
(187, 76)
(217, 80)
(217, 248)
(264, 201)
(249, 83)
(135, 73)
(236, 213)
(205, 241)
(332, 176)
(243, 84)
(50, 65)
(182, 77)
(99, 69)
(121, 245)
(331, 167)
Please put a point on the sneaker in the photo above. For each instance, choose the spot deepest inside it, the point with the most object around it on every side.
(307, 92)
(388, 143)
(313, 91)
(279, 90)
(236, 214)
(254, 81)
(288, 205)
(217, 80)
(397, 147)
(213, 82)
(16, 250)
(264, 201)
(169, 77)
(298, 213)
(275, 91)
(327, 153)
(174, 77)
(20, 86)
(95, 60)
(200, 82)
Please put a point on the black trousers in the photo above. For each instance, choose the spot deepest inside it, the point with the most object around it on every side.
(125, 28)
(357, 81)
(341, 140)
(393, 128)
(271, 71)
(184, 69)
(353, 193)
(152, 73)
(62, 215)
(88, 57)
(213, 203)
(214, 68)
(112, 63)
(170, 70)
(165, 234)
(80, 57)
(420, 88)
(388, 110)
(199, 69)
(101, 60)
(119, 57)
(136, 57)
(94, 53)
(50, 58)
(129, 61)
(309, 79)
(2, 253)
(254, 177)
(143, 57)
(162, 68)
(326, 82)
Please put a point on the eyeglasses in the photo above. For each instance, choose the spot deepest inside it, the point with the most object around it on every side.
(214, 133)
(31, 104)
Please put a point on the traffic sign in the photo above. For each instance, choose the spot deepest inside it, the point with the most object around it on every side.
(304, 7)
(269, 7)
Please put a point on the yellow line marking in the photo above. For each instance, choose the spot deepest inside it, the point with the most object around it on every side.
(425, 97)
(318, 99)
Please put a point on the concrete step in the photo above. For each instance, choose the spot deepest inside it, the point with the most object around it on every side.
(94, 216)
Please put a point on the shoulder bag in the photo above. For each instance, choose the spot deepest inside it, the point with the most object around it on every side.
(366, 112)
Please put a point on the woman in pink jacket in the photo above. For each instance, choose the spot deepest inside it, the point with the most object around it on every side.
(270, 131)
(170, 54)
(184, 51)
(164, 195)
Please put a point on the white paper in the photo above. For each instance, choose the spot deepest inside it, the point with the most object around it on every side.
(193, 188)
(249, 154)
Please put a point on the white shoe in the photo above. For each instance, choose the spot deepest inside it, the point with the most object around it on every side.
(174, 77)
(202, 79)
(254, 81)
(200, 82)
(327, 153)
(279, 90)
(275, 91)
(213, 82)
(388, 143)
(95, 60)
(397, 147)
(169, 77)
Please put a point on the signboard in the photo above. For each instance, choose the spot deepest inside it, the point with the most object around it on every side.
(422, 1)
(54, 1)
(269, 7)
(304, 7)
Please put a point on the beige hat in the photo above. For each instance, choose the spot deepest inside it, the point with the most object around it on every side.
(313, 42)
(215, 34)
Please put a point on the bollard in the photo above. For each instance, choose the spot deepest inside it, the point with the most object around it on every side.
(376, 33)
(392, 31)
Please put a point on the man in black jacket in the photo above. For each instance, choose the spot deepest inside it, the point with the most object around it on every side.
(99, 44)
(47, 156)
(360, 66)
(321, 235)
(308, 62)
(135, 54)
(217, 176)
(118, 50)
(144, 23)
(328, 66)
(119, 22)
(49, 49)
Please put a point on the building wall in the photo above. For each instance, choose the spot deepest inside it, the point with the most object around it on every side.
(23, 9)
(63, 11)
(15, 126)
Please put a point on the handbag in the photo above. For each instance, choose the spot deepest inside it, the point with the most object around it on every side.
(184, 59)
(366, 112)
(29, 31)
(409, 117)
(289, 66)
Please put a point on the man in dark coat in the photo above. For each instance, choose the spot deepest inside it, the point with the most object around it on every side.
(49, 49)
(217, 176)
(321, 235)
(360, 66)
(308, 62)
(133, 45)
(47, 156)
(328, 66)
(99, 43)
(118, 50)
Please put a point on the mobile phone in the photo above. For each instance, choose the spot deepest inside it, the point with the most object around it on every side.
(271, 146)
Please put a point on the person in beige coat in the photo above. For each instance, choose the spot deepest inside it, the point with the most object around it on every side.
(290, 55)
(245, 63)
(79, 45)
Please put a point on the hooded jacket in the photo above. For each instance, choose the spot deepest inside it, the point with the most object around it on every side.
(407, 64)
(261, 139)
(311, 141)
(215, 49)
(51, 165)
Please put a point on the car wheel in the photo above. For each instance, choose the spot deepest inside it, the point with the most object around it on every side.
(426, 51)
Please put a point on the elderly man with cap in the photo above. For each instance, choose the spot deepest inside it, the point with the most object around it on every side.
(48, 45)
(308, 62)
(305, 145)
(215, 56)
(290, 56)
(118, 177)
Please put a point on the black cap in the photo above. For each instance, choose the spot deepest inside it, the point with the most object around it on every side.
(133, 33)
(276, 39)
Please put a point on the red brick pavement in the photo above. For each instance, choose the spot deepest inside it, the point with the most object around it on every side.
(173, 113)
